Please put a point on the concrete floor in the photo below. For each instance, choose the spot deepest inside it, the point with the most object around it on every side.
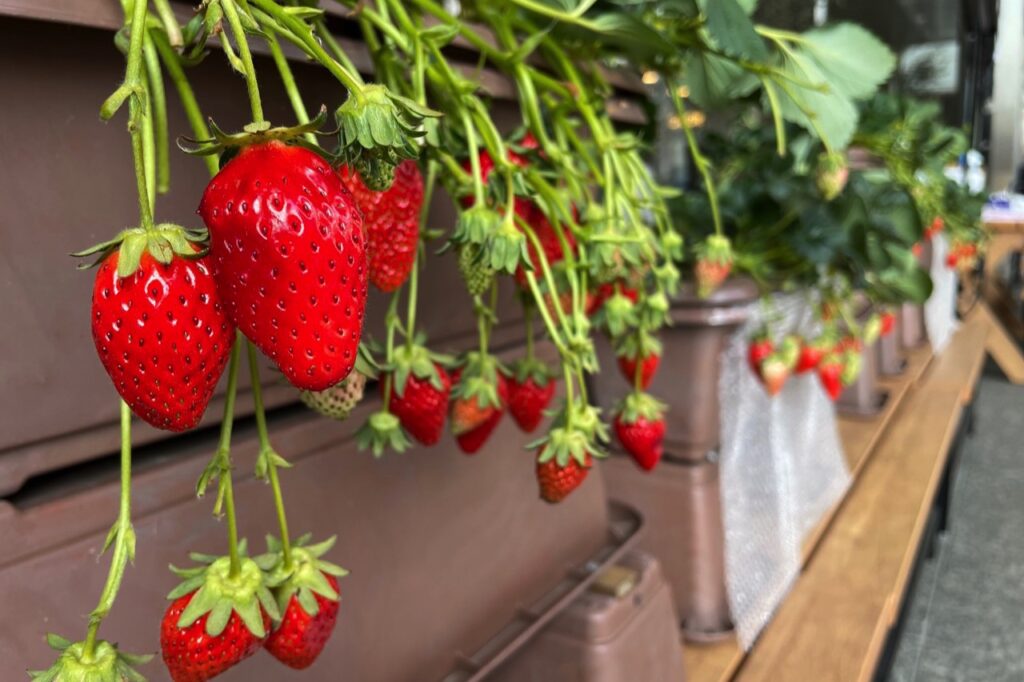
(966, 614)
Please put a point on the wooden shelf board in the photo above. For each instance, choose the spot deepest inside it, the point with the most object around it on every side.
(832, 625)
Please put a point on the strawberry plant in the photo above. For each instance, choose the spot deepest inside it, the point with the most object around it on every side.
(300, 220)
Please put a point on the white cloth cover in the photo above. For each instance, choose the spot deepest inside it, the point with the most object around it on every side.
(782, 468)
(940, 309)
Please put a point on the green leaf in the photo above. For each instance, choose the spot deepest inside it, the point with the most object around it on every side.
(731, 30)
(853, 61)
(714, 81)
(833, 113)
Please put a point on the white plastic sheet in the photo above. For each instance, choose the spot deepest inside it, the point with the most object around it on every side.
(782, 468)
(940, 310)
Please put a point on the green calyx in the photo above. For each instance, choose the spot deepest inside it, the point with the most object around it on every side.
(305, 577)
(377, 130)
(619, 313)
(479, 380)
(716, 249)
(253, 134)
(639, 405)
(638, 346)
(563, 444)
(505, 249)
(382, 432)
(417, 361)
(218, 594)
(476, 225)
(534, 370)
(103, 664)
(163, 243)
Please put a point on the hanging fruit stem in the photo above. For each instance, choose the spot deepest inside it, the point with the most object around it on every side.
(251, 84)
(268, 457)
(123, 538)
(226, 492)
(414, 276)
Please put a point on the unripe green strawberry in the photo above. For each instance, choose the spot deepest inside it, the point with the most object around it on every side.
(476, 273)
(338, 401)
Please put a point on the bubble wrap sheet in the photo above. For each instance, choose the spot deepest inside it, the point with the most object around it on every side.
(782, 468)
(940, 310)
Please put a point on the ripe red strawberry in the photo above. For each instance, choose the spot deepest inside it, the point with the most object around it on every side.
(917, 249)
(160, 328)
(530, 390)
(810, 356)
(423, 404)
(830, 372)
(392, 222)
(300, 638)
(937, 225)
(761, 346)
(472, 440)
(640, 426)
(289, 255)
(648, 367)
(192, 655)
(556, 481)
(774, 373)
(216, 618)
(888, 322)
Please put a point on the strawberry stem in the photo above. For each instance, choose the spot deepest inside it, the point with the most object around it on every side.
(223, 457)
(268, 455)
(288, 80)
(699, 160)
(528, 323)
(172, 62)
(474, 158)
(251, 84)
(391, 320)
(124, 541)
(414, 276)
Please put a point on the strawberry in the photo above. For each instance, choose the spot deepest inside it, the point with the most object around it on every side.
(640, 426)
(420, 401)
(337, 402)
(810, 356)
(307, 595)
(102, 662)
(530, 390)
(159, 325)
(557, 481)
(529, 213)
(936, 226)
(392, 222)
(478, 401)
(832, 174)
(289, 255)
(714, 263)
(830, 372)
(761, 346)
(888, 320)
(918, 249)
(215, 619)
(648, 366)
(476, 272)
(853, 362)
(774, 372)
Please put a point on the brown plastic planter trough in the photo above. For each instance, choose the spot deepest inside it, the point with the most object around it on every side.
(680, 499)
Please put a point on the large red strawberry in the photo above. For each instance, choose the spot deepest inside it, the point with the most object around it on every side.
(307, 596)
(392, 222)
(216, 619)
(530, 390)
(811, 354)
(640, 426)
(159, 325)
(289, 255)
(566, 454)
(557, 480)
(421, 404)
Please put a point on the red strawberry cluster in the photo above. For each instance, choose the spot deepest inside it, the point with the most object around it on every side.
(962, 255)
(837, 362)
